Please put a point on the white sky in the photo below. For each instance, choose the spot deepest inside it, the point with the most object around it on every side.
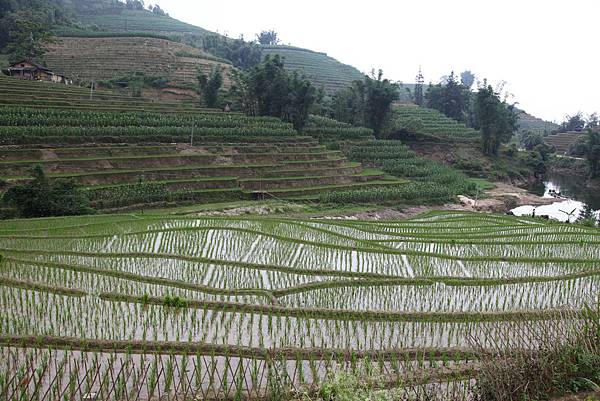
(546, 51)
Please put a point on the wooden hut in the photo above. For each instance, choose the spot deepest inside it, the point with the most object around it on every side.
(30, 70)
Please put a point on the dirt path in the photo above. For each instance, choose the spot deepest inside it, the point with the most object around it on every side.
(501, 199)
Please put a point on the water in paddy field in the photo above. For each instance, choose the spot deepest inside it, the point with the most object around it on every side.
(575, 195)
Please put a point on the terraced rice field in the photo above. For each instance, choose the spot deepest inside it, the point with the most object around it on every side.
(563, 141)
(138, 307)
(179, 152)
(433, 124)
(52, 96)
(94, 59)
(140, 21)
(329, 130)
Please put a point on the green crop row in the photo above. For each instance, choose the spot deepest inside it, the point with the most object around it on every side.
(43, 117)
(149, 193)
(14, 135)
(436, 182)
(403, 193)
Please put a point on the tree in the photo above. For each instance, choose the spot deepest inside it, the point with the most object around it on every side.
(593, 121)
(209, 86)
(593, 153)
(449, 97)
(28, 38)
(366, 103)
(495, 119)
(268, 90)
(242, 54)
(157, 10)
(268, 38)
(380, 95)
(349, 104)
(135, 4)
(531, 139)
(579, 148)
(41, 197)
(573, 123)
(467, 79)
(418, 97)
(302, 96)
(16, 15)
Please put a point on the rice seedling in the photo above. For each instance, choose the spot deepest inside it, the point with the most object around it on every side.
(138, 307)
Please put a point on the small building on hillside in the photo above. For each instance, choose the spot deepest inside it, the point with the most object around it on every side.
(34, 72)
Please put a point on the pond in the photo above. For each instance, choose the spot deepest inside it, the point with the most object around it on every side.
(574, 195)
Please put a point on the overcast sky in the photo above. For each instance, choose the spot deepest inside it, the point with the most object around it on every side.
(546, 51)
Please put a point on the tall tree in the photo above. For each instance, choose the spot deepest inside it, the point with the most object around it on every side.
(593, 152)
(268, 38)
(367, 103)
(302, 95)
(380, 95)
(593, 121)
(29, 34)
(530, 140)
(495, 119)
(242, 54)
(575, 122)
(209, 86)
(467, 79)
(449, 97)
(269, 90)
(420, 80)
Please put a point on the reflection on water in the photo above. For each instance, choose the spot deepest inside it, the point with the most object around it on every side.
(574, 195)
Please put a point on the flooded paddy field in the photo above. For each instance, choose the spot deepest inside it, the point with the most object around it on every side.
(228, 307)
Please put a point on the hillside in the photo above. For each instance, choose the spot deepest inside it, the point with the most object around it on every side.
(423, 123)
(169, 154)
(563, 141)
(93, 59)
(51, 96)
(527, 122)
(123, 20)
(323, 70)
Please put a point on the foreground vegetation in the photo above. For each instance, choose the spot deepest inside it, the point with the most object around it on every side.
(235, 307)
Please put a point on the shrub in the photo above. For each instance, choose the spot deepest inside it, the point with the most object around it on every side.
(42, 198)
(536, 360)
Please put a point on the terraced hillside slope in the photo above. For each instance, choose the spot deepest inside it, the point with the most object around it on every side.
(563, 141)
(429, 124)
(530, 123)
(94, 59)
(251, 308)
(170, 152)
(322, 70)
(123, 20)
(328, 130)
(143, 158)
(53, 96)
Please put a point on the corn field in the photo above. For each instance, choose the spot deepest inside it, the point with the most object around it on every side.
(141, 307)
